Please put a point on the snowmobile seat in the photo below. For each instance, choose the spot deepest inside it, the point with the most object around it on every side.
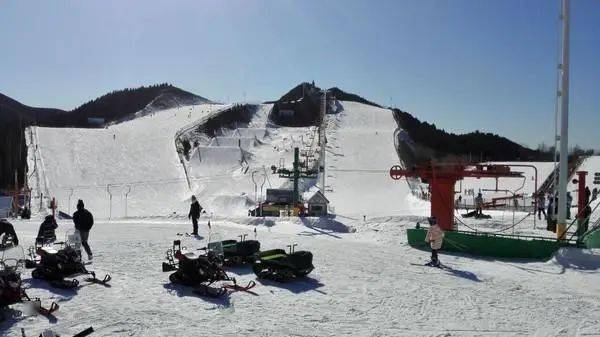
(226, 244)
(266, 253)
(273, 257)
(248, 247)
(301, 260)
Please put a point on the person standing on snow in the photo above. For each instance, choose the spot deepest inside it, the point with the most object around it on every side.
(8, 230)
(47, 233)
(435, 238)
(479, 204)
(541, 206)
(83, 220)
(550, 214)
(195, 210)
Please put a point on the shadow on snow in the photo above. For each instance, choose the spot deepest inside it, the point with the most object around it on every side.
(296, 286)
(184, 291)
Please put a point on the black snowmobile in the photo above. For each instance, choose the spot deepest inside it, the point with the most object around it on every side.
(57, 261)
(276, 264)
(11, 290)
(50, 333)
(237, 252)
(201, 271)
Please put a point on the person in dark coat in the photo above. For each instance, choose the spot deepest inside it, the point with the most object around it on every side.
(83, 221)
(588, 195)
(584, 224)
(195, 210)
(47, 229)
(8, 230)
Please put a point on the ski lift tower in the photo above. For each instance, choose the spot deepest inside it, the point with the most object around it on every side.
(443, 177)
(296, 173)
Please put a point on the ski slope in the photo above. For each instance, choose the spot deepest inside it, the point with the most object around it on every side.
(127, 169)
(365, 283)
(360, 152)
(132, 169)
(224, 171)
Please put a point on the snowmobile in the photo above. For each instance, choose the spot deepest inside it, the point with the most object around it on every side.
(201, 271)
(237, 252)
(50, 333)
(11, 290)
(280, 266)
(57, 261)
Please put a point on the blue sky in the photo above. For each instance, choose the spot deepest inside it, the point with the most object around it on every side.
(462, 64)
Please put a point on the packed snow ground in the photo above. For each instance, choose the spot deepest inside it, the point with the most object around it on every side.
(368, 282)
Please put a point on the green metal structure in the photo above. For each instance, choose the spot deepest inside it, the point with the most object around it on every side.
(592, 239)
(296, 174)
(490, 244)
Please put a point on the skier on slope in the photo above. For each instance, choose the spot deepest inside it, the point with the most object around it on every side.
(435, 238)
(194, 214)
(47, 229)
(83, 220)
(8, 230)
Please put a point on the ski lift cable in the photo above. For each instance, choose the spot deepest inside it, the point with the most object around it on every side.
(149, 182)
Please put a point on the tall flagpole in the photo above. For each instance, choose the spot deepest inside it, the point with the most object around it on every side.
(564, 124)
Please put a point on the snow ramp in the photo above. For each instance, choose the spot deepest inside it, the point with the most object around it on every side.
(244, 143)
(217, 155)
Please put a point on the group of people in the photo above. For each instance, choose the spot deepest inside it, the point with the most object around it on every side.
(548, 206)
(82, 218)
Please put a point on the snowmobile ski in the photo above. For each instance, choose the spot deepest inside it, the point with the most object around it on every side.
(95, 280)
(208, 291)
(235, 287)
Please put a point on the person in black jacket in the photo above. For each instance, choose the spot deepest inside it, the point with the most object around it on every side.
(83, 221)
(195, 210)
(47, 229)
(8, 230)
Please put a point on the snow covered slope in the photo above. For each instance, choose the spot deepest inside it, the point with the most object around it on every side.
(222, 171)
(132, 169)
(127, 169)
(360, 152)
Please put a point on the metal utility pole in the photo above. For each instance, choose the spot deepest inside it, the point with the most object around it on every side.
(322, 140)
(564, 125)
(296, 175)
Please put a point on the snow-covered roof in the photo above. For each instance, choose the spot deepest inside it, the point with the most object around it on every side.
(314, 196)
